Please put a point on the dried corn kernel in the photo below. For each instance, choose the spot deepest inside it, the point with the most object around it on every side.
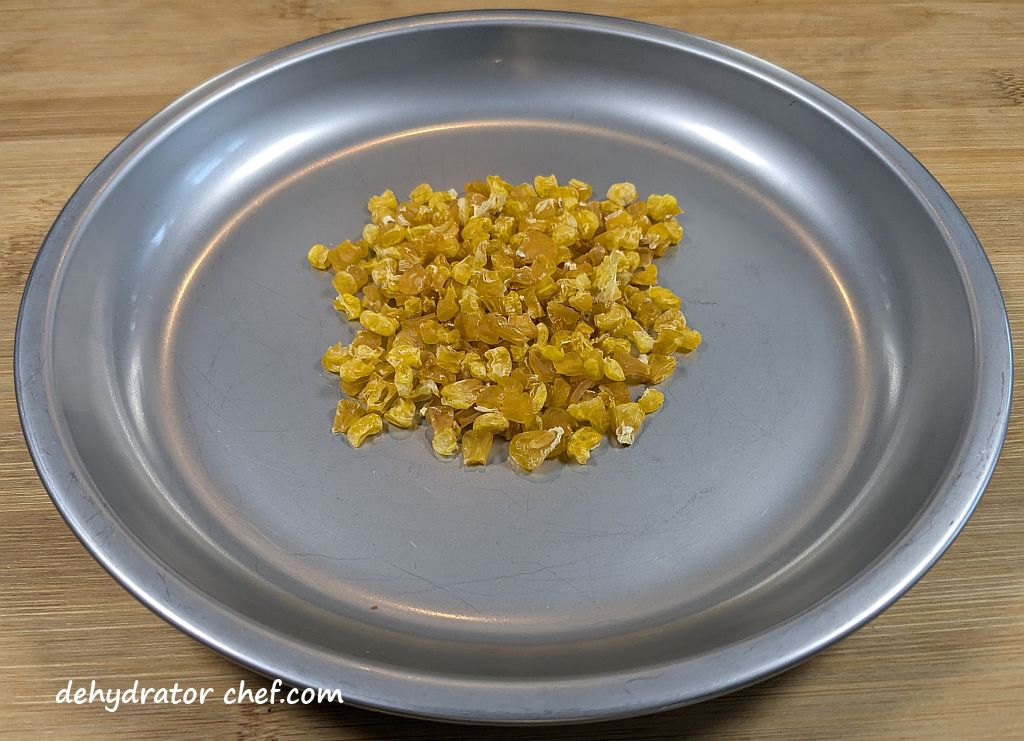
(461, 394)
(622, 194)
(663, 298)
(530, 449)
(661, 367)
(348, 411)
(349, 305)
(661, 207)
(627, 418)
(613, 369)
(476, 447)
(446, 442)
(366, 426)
(593, 411)
(522, 310)
(318, 256)
(584, 440)
(490, 422)
(379, 323)
(650, 401)
(402, 414)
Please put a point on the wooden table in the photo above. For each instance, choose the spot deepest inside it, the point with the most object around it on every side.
(946, 78)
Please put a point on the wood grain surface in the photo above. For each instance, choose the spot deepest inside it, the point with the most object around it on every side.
(946, 78)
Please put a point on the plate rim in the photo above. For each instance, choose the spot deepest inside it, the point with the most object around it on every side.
(397, 691)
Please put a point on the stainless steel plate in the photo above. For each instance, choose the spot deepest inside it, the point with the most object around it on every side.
(816, 455)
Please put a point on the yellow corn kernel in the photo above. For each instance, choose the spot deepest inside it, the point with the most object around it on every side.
(593, 368)
(529, 449)
(491, 422)
(544, 184)
(627, 419)
(612, 319)
(592, 411)
(622, 194)
(461, 394)
(584, 440)
(407, 355)
(379, 323)
(365, 427)
(421, 193)
(318, 256)
(402, 414)
(662, 207)
(675, 231)
(377, 394)
(445, 442)
(333, 356)
(645, 276)
(371, 234)
(613, 370)
(690, 340)
(499, 363)
(344, 282)
(476, 447)
(643, 341)
(663, 298)
(404, 380)
(349, 305)
(661, 367)
(651, 400)
(348, 411)
(583, 191)
(353, 369)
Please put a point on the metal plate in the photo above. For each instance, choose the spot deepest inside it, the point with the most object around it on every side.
(815, 456)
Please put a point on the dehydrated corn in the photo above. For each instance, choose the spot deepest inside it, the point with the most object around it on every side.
(364, 427)
(525, 311)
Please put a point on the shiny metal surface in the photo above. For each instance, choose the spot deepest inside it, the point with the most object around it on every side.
(814, 457)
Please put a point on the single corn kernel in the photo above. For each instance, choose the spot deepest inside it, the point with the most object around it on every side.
(445, 442)
(643, 341)
(344, 282)
(476, 447)
(651, 400)
(627, 419)
(691, 339)
(538, 397)
(584, 440)
(645, 276)
(461, 394)
(661, 207)
(675, 230)
(663, 298)
(622, 194)
(661, 367)
(613, 370)
(491, 422)
(592, 411)
(379, 323)
(353, 369)
(318, 256)
(499, 363)
(348, 411)
(333, 357)
(349, 305)
(543, 185)
(529, 449)
(404, 355)
(365, 427)
(402, 413)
